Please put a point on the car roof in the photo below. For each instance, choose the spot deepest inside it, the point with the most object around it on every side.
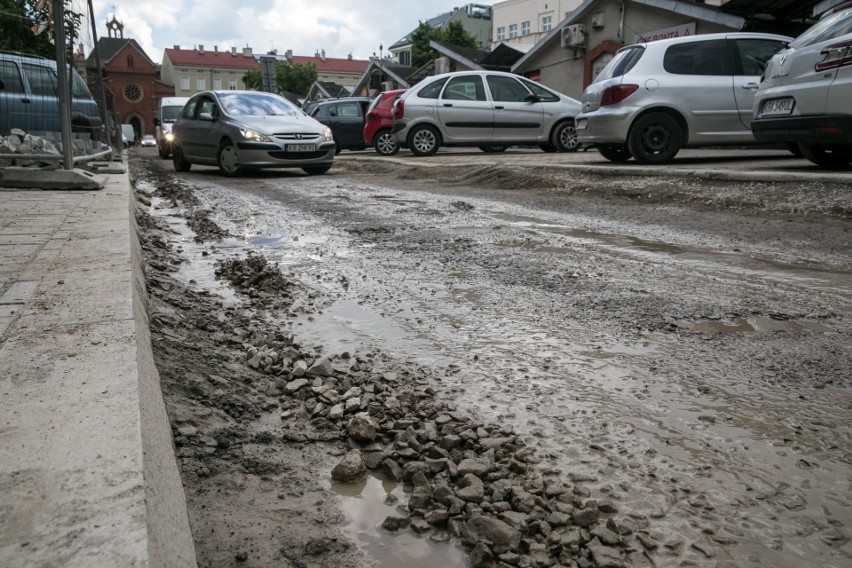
(339, 99)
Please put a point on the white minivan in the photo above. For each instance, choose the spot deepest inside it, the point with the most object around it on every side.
(167, 112)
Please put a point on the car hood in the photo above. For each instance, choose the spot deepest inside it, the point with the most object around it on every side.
(280, 124)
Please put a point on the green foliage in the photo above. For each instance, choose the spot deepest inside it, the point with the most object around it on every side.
(292, 77)
(454, 33)
(17, 17)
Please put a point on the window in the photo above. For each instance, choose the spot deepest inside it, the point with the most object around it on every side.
(699, 58)
(405, 58)
(232, 85)
(464, 88)
(501, 33)
(132, 93)
(200, 83)
(349, 110)
(525, 28)
(42, 80)
(217, 84)
(11, 77)
(506, 89)
(208, 106)
(513, 30)
(432, 90)
(184, 83)
(189, 109)
(754, 53)
(130, 61)
(543, 94)
(546, 23)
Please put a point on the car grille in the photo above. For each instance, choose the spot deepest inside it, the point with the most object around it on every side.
(280, 155)
(306, 136)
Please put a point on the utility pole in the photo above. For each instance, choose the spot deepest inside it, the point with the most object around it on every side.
(62, 77)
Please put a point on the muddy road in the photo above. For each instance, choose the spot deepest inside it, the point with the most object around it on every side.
(668, 360)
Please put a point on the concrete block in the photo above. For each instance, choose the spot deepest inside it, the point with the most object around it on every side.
(31, 178)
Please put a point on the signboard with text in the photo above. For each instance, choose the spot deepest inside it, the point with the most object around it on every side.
(682, 30)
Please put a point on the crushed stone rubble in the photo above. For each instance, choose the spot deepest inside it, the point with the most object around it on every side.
(476, 482)
(23, 143)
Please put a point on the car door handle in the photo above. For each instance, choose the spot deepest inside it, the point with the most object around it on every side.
(750, 86)
(26, 101)
(499, 107)
(447, 105)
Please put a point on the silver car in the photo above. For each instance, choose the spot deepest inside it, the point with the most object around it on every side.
(489, 109)
(655, 98)
(245, 130)
(806, 93)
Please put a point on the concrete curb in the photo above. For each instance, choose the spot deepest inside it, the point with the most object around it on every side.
(88, 476)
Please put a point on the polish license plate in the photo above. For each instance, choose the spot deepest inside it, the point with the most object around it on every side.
(301, 147)
(777, 107)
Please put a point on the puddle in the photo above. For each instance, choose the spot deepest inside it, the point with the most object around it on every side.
(758, 324)
(366, 504)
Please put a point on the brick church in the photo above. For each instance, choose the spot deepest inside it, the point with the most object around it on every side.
(131, 79)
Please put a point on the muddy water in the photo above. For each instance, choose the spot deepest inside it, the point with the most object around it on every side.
(556, 323)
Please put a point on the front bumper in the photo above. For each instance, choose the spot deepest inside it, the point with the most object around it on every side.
(269, 155)
(822, 129)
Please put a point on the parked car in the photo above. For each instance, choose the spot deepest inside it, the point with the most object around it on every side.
(805, 97)
(149, 140)
(346, 118)
(244, 130)
(125, 141)
(29, 100)
(652, 99)
(488, 109)
(168, 110)
(378, 129)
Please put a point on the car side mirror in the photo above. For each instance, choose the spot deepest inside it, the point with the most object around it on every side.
(532, 99)
(205, 116)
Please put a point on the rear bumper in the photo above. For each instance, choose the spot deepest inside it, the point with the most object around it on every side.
(822, 129)
(607, 125)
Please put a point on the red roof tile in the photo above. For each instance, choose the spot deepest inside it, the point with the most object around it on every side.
(331, 65)
(217, 59)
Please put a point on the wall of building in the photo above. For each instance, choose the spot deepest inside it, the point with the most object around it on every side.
(570, 70)
(516, 12)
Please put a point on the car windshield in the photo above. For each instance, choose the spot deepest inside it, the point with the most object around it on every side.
(623, 62)
(257, 104)
(170, 113)
(832, 26)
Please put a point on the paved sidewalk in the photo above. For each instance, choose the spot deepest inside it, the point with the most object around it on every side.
(87, 470)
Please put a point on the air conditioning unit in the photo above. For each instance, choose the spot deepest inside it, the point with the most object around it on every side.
(598, 20)
(442, 65)
(574, 36)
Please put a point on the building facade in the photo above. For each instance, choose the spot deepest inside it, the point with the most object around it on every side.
(344, 72)
(132, 81)
(190, 71)
(474, 18)
(526, 22)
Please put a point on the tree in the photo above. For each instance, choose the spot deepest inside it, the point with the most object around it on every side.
(291, 77)
(454, 34)
(17, 19)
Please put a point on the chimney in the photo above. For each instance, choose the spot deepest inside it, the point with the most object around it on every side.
(322, 55)
(215, 49)
(234, 50)
(350, 56)
(247, 51)
(200, 48)
(289, 54)
(316, 54)
(177, 47)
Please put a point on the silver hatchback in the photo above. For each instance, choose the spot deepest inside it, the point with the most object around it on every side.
(244, 130)
(654, 98)
(489, 109)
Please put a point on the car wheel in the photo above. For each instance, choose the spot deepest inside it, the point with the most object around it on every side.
(564, 137)
(228, 159)
(827, 156)
(179, 161)
(614, 152)
(385, 144)
(423, 140)
(493, 149)
(549, 148)
(316, 170)
(655, 138)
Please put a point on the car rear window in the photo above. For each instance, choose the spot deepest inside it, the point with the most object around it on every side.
(623, 62)
(711, 57)
(375, 102)
(432, 90)
(830, 27)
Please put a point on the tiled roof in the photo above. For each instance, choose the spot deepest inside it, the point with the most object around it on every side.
(212, 59)
(109, 48)
(332, 65)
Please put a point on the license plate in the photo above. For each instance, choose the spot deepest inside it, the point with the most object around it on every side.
(582, 124)
(301, 147)
(777, 107)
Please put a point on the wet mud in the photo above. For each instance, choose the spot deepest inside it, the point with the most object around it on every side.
(685, 360)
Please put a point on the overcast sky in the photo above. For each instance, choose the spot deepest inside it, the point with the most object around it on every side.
(340, 27)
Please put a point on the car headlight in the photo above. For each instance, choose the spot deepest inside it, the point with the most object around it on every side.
(327, 135)
(254, 135)
(169, 137)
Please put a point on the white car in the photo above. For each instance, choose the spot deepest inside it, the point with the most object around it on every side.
(805, 97)
(489, 109)
(652, 99)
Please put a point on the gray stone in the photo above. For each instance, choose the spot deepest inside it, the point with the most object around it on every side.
(352, 404)
(472, 489)
(392, 469)
(336, 412)
(479, 467)
(394, 524)
(485, 528)
(604, 556)
(300, 367)
(481, 557)
(350, 469)
(295, 385)
(362, 428)
(420, 498)
(321, 368)
(586, 517)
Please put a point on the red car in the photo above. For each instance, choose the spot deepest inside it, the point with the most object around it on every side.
(377, 129)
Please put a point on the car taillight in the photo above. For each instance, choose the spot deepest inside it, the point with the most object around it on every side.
(834, 56)
(399, 109)
(617, 93)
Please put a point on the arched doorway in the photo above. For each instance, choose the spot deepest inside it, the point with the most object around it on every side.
(136, 123)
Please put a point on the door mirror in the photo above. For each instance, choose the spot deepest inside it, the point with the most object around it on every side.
(532, 99)
(205, 116)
